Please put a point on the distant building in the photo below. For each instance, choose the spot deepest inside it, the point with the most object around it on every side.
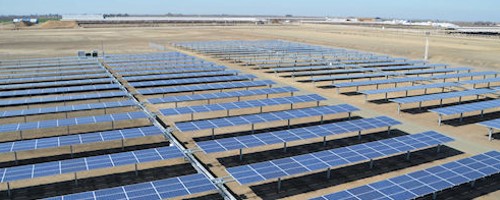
(25, 20)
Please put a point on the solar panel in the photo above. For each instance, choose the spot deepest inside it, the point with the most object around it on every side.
(377, 82)
(219, 95)
(203, 87)
(242, 104)
(28, 101)
(308, 68)
(479, 81)
(165, 66)
(483, 73)
(88, 163)
(469, 107)
(264, 117)
(261, 171)
(440, 70)
(52, 142)
(408, 88)
(440, 96)
(275, 137)
(193, 80)
(354, 76)
(70, 108)
(56, 90)
(183, 75)
(423, 182)
(410, 67)
(48, 74)
(173, 71)
(51, 79)
(495, 123)
(56, 83)
(71, 121)
(340, 71)
(160, 189)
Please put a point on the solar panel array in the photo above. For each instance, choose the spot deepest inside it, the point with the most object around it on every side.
(470, 107)
(88, 163)
(243, 104)
(289, 135)
(427, 181)
(408, 88)
(264, 117)
(160, 189)
(440, 96)
(262, 171)
(212, 86)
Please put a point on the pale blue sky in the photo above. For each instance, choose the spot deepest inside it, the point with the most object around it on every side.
(466, 10)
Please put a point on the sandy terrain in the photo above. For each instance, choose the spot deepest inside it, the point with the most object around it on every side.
(481, 53)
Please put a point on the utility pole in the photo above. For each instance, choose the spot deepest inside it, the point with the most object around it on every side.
(426, 54)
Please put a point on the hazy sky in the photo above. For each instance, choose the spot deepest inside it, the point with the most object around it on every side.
(466, 10)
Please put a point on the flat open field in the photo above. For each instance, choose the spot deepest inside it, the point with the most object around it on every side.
(481, 53)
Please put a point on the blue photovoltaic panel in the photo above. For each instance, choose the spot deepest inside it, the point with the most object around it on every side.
(354, 76)
(202, 87)
(469, 107)
(193, 80)
(155, 190)
(424, 182)
(491, 124)
(439, 70)
(71, 121)
(52, 142)
(53, 78)
(219, 95)
(262, 171)
(88, 163)
(28, 101)
(55, 69)
(275, 137)
(164, 66)
(484, 73)
(56, 83)
(410, 67)
(57, 90)
(71, 108)
(264, 117)
(183, 75)
(478, 81)
(340, 71)
(53, 74)
(408, 88)
(241, 104)
(440, 96)
(382, 81)
(173, 71)
(308, 68)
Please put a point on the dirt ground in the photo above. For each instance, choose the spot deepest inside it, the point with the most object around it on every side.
(481, 53)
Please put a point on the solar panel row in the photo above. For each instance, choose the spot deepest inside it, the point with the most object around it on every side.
(160, 189)
(52, 142)
(58, 90)
(88, 163)
(50, 73)
(171, 82)
(71, 121)
(56, 83)
(172, 71)
(213, 86)
(275, 137)
(440, 96)
(182, 75)
(51, 79)
(28, 101)
(252, 173)
(424, 182)
(219, 95)
(264, 117)
(242, 104)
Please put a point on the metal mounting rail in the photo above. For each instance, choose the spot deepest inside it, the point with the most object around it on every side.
(223, 191)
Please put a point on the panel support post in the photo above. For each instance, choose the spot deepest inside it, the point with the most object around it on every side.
(328, 173)
(288, 123)
(434, 195)
(359, 135)
(123, 144)
(213, 133)
(473, 183)
(399, 108)
(440, 118)
(253, 126)
(284, 147)
(241, 154)
(76, 179)
(371, 163)
(490, 133)
(388, 130)
(438, 148)
(136, 170)
(349, 113)
(279, 185)
(71, 150)
(324, 141)
(408, 155)
(15, 157)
